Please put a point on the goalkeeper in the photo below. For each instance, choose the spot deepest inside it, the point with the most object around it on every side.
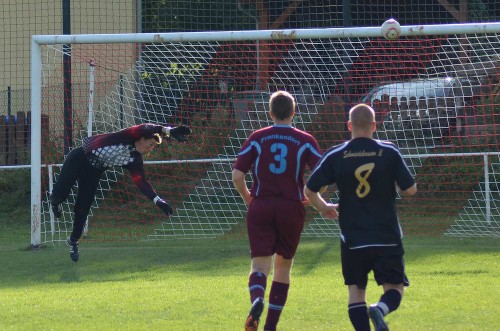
(85, 165)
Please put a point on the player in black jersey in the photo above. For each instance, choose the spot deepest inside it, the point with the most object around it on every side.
(85, 165)
(368, 173)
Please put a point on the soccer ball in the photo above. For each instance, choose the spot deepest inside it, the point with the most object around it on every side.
(390, 29)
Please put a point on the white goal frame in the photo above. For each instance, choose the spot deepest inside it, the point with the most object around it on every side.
(36, 69)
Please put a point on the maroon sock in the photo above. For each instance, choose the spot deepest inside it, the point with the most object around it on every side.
(277, 300)
(257, 285)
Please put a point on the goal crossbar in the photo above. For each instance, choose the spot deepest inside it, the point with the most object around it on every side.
(406, 31)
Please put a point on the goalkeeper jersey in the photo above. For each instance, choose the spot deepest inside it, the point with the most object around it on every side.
(278, 155)
(365, 172)
(106, 150)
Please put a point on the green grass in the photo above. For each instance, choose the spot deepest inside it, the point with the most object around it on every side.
(14, 206)
(202, 285)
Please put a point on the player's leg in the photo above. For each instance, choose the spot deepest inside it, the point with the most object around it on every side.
(357, 309)
(257, 282)
(282, 269)
(389, 272)
(289, 227)
(355, 269)
(279, 291)
(261, 236)
(388, 303)
(391, 299)
(87, 187)
(70, 171)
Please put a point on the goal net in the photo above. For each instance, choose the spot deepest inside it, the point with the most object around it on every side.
(435, 90)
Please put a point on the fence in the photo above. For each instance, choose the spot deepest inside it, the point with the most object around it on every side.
(15, 138)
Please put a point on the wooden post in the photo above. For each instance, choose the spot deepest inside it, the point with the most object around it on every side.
(21, 138)
(45, 129)
(3, 142)
(11, 141)
(28, 130)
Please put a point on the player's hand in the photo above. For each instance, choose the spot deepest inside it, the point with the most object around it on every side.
(163, 205)
(180, 133)
(248, 200)
(330, 211)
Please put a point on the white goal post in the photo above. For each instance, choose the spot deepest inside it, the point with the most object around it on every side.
(302, 52)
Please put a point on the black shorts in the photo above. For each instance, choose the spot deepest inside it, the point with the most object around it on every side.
(386, 262)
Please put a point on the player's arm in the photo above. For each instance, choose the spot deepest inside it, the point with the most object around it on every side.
(306, 202)
(329, 210)
(317, 183)
(240, 185)
(141, 130)
(139, 179)
(179, 133)
(412, 190)
(405, 183)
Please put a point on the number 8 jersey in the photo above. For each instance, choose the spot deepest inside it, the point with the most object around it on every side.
(277, 156)
(365, 171)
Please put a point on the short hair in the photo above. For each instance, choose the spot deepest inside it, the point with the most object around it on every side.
(282, 104)
(362, 116)
(157, 138)
(150, 134)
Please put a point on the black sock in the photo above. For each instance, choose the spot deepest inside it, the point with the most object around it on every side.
(389, 301)
(359, 316)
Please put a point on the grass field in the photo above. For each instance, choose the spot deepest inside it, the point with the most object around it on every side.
(202, 285)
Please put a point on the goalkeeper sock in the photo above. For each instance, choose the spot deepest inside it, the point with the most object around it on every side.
(257, 285)
(389, 301)
(358, 314)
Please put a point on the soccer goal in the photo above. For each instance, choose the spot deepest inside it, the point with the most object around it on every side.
(435, 89)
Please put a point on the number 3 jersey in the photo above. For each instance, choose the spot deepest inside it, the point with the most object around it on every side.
(365, 172)
(277, 156)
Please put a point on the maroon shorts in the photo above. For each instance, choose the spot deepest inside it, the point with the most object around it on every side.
(274, 225)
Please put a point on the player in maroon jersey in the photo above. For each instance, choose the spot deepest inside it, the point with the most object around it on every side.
(277, 156)
(85, 165)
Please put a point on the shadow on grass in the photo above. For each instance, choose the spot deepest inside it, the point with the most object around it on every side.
(121, 261)
(179, 258)
(313, 253)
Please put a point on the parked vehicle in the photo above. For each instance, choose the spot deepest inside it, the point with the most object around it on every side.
(444, 101)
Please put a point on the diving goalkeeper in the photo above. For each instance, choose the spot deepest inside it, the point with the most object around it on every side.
(85, 165)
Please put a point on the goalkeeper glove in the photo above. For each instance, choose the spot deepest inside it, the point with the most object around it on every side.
(163, 205)
(180, 133)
